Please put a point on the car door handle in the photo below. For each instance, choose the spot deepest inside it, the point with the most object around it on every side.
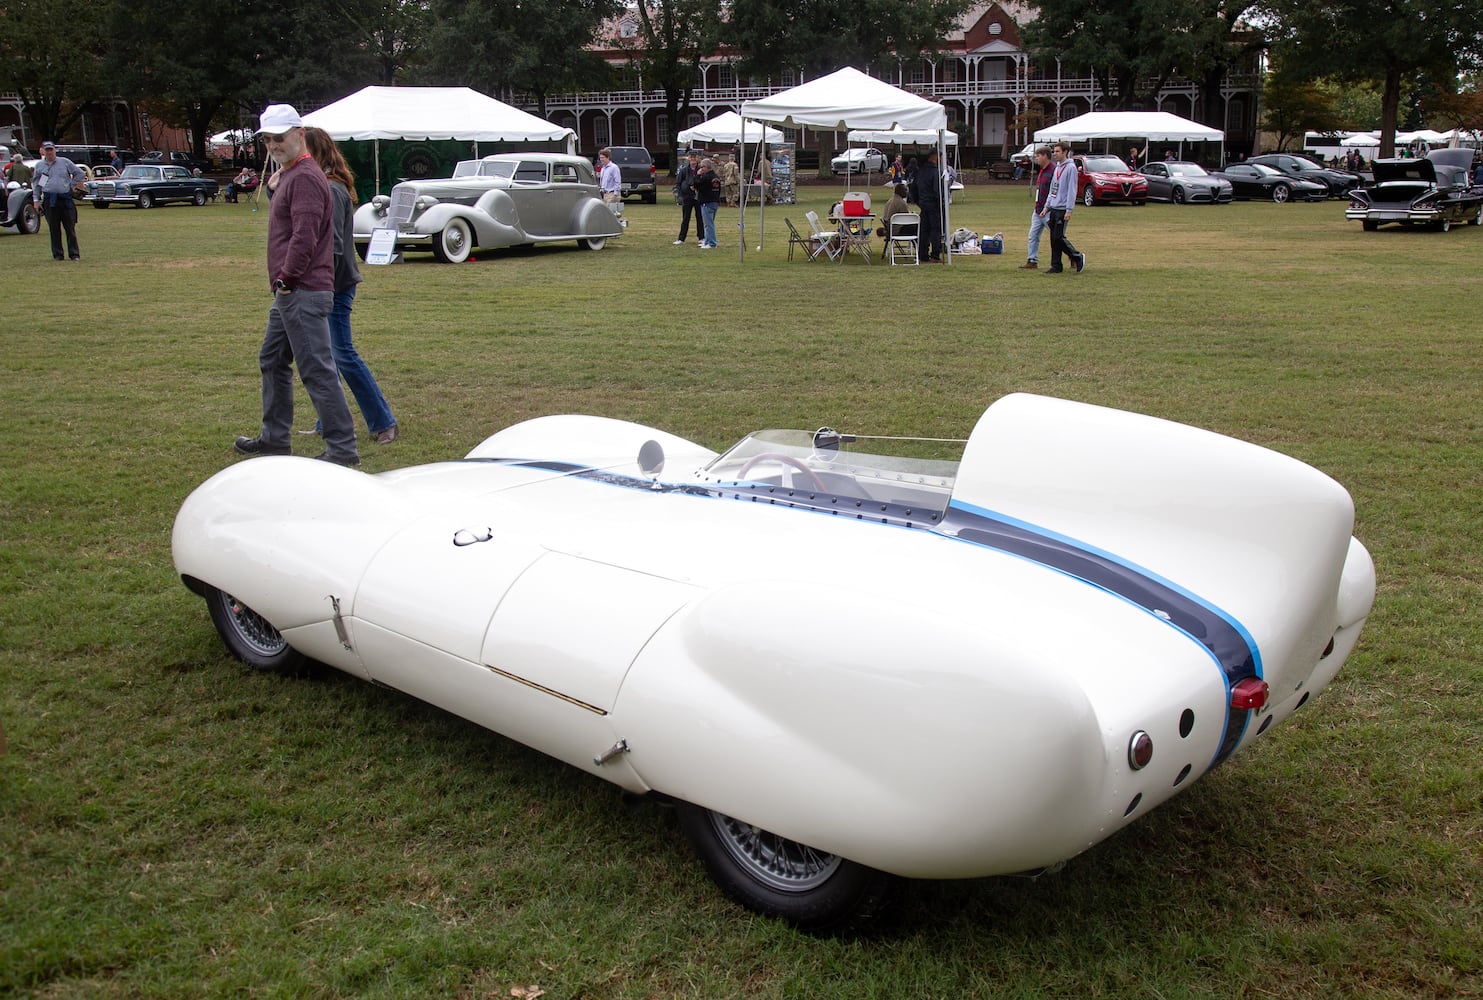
(469, 536)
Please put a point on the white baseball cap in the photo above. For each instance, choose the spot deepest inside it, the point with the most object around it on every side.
(278, 119)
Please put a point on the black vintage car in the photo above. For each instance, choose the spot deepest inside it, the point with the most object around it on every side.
(147, 185)
(1338, 182)
(1434, 191)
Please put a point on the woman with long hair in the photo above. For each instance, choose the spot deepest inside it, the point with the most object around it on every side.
(353, 369)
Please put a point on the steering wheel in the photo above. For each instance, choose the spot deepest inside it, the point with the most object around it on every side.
(788, 460)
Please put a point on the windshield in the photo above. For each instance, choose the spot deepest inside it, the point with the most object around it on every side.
(919, 472)
(484, 168)
(1186, 169)
(144, 173)
(1105, 164)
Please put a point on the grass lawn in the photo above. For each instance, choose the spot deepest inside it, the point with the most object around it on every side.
(174, 825)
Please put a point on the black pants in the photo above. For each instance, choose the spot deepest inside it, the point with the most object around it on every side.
(929, 236)
(1058, 242)
(687, 209)
(61, 214)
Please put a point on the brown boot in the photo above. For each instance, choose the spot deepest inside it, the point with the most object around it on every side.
(1029, 265)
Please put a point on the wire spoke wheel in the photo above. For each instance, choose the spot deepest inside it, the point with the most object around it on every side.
(774, 861)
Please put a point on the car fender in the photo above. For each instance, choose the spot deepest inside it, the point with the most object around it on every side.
(911, 740)
(284, 535)
(591, 217)
(597, 442)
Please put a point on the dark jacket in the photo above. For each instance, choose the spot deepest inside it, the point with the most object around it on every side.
(684, 181)
(347, 270)
(707, 187)
(929, 187)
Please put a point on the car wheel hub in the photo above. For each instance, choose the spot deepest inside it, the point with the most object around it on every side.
(774, 861)
(254, 628)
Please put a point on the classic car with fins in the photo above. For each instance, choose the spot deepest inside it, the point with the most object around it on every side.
(503, 200)
(1433, 190)
(846, 661)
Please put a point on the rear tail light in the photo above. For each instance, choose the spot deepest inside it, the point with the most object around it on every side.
(1249, 694)
(1140, 750)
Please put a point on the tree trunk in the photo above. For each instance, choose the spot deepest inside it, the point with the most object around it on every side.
(1390, 103)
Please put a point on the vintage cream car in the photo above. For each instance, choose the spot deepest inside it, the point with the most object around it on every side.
(842, 666)
(503, 200)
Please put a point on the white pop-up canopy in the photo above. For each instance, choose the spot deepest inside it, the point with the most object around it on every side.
(1159, 126)
(727, 128)
(849, 99)
(900, 137)
(377, 113)
(1150, 126)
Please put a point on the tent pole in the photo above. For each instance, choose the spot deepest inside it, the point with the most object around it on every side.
(741, 201)
(376, 153)
(945, 195)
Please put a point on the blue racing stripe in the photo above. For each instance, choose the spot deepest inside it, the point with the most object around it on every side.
(1227, 640)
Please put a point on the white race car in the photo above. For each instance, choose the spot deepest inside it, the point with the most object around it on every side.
(925, 666)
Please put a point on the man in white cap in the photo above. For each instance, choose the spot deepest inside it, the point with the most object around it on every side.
(301, 272)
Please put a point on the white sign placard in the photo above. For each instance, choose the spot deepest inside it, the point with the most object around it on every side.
(383, 246)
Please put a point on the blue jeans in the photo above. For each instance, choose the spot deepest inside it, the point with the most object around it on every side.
(353, 370)
(1038, 223)
(708, 223)
(298, 335)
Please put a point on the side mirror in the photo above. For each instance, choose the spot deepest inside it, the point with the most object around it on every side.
(651, 458)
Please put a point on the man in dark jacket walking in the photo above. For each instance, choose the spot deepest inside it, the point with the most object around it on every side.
(685, 193)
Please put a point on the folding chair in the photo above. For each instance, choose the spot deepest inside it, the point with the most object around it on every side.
(827, 241)
(902, 232)
(795, 238)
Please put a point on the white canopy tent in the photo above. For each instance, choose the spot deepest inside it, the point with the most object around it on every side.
(377, 113)
(849, 99)
(1151, 126)
(727, 128)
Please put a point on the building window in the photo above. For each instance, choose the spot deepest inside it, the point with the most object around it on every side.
(628, 29)
(789, 78)
(725, 75)
(692, 119)
(917, 75)
(631, 135)
(661, 130)
(790, 135)
(600, 132)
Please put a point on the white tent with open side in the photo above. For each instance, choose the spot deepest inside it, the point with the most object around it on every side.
(727, 129)
(1151, 126)
(849, 99)
(377, 113)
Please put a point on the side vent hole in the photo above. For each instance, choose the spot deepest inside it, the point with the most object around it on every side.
(1186, 723)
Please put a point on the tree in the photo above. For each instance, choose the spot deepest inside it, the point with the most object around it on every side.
(1292, 105)
(816, 36)
(508, 47)
(54, 72)
(1133, 47)
(1130, 47)
(1386, 42)
(666, 47)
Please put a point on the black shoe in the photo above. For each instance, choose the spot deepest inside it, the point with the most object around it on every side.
(1080, 261)
(256, 446)
(349, 461)
(1054, 270)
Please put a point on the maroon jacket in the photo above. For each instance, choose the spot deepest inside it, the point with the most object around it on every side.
(301, 238)
(1042, 186)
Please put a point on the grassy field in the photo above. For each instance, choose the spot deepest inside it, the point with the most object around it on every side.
(174, 825)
